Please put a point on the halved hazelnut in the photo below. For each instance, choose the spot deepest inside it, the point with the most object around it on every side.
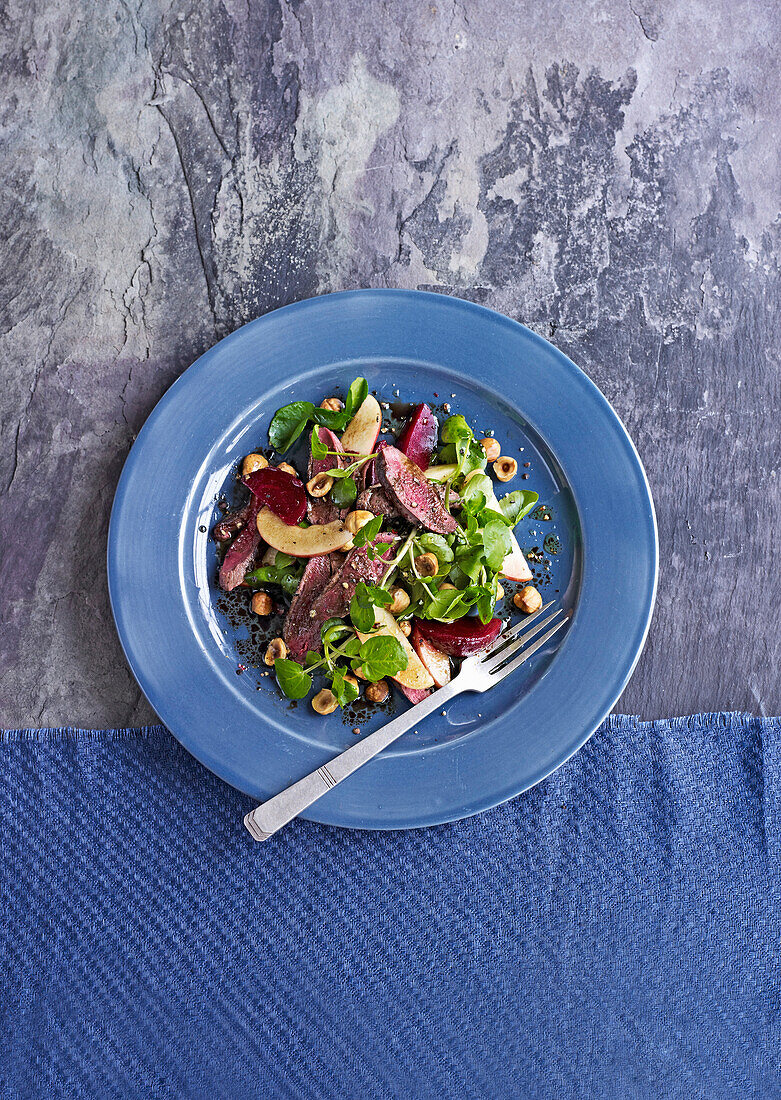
(333, 404)
(405, 626)
(277, 650)
(288, 468)
(324, 702)
(427, 565)
(505, 468)
(320, 485)
(377, 692)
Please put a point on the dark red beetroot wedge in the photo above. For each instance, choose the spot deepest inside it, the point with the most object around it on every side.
(284, 494)
(242, 554)
(415, 695)
(419, 437)
(462, 638)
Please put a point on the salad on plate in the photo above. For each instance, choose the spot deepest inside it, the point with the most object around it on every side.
(388, 554)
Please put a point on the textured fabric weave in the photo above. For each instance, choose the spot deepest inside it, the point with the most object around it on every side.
(612, 933)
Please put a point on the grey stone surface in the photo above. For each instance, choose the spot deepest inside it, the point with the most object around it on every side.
(606, 172)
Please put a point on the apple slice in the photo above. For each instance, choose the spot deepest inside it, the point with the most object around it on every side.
(441, 473)
(437, 662)
(361, 433)
(301, 542)
(415, 676)
(514, 566)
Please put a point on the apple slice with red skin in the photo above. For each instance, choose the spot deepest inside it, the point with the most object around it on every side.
(301, 542)
(437, 662)
(461, 638)
(361, 433)
(419, 437)
(415, 677)
(284, 494)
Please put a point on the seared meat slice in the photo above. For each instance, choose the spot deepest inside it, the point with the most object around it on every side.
(331, 601)
(414, 495)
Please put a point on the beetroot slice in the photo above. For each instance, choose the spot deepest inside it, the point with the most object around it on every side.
(284, 494)
(461, 638)
(419, 437)
(415, 695)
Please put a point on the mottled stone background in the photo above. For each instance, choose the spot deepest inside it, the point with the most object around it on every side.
(606, 172)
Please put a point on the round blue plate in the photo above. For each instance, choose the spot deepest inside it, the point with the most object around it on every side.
(197, 654)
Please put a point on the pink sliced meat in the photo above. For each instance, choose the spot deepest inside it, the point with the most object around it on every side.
(243, 553)
(415, 695)
(413, 494)
(332, 601)
(316, 576)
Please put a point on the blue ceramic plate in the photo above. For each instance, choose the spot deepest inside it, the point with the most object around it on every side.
(198, 654)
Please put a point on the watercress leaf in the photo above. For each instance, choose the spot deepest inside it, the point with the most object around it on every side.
(490, 515)
(356, 395)
(283, 561)
(361, 614)
(447, 456)
(455, 428)
(344, 492)
(478, 484)
(344, 690)
(288, 423)
(352, 648)
(496, 540)
(290, 582)
(485, 605)
(319, 449)
(335, 419)
(437, 545)
(265, 574)
(517, 504)
(311, 658)
(470, 559)
(331, 629)
(381, 656)
(293, 681)
(369, 531)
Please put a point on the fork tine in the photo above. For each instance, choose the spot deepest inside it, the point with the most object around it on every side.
(507, 635)
(511, 636)
(505, 670)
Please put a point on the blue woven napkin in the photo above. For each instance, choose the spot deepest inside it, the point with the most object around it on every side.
(612, 933)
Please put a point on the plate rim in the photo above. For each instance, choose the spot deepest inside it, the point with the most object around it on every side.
(442, 300)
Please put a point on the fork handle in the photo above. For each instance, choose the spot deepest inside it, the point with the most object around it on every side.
(264, 821)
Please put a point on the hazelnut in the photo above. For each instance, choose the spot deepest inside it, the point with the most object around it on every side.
(356, 520)
(427, 565)
(499, 592)
(400, 601)
(351, 680)
(447, 587)
(320, 485)
(276, 651)
(333, 404)
(288, 468)
(405, 626)
(324, 702)
(252, 463)
(505, 468)
(377, 692)
(528, 599)
(491, 448)
(262, 603)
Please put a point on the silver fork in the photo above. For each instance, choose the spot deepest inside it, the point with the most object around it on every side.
(478, 673)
